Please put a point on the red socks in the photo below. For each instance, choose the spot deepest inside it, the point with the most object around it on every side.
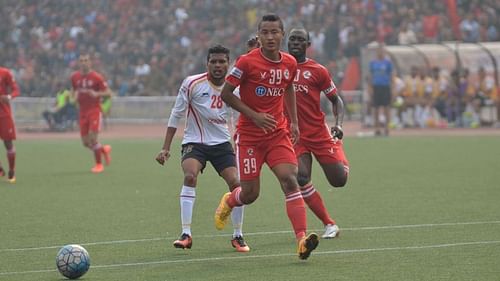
(296, 211)
(97, 148)
(234, 198)
(315, 203)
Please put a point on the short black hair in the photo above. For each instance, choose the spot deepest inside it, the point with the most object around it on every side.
(252, 42)
(271, 17)
(218, 49)
(308, 37)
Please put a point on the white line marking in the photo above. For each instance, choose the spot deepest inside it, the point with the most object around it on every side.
(347, 251)
(254, 234)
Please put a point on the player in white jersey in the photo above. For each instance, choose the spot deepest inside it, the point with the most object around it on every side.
(206, 138)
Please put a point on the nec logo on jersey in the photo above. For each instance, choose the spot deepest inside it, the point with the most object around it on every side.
(261, 91)
(236, 72)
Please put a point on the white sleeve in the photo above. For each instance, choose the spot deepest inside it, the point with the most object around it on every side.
(181, 104)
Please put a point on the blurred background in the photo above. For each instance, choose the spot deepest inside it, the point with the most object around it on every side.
(146, 47)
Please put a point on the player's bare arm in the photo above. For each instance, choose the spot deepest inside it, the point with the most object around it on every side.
(12, 89)
(262, 120)
(105, 93)
(164, 153)
(5, 99)
(338, 113)
(73, 93)
(291, 107)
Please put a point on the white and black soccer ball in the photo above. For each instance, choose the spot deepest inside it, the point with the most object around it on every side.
(73, 261)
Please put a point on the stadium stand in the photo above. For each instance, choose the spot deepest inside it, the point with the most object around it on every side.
(146, 47)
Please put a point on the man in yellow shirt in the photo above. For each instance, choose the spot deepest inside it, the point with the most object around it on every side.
(63, 113)
(486, 93)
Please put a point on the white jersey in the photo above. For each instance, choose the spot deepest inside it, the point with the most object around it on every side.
(207, 114)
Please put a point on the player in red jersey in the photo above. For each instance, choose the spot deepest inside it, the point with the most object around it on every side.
(265, 76)
(8, 91)
(89, 87)
(316, 138)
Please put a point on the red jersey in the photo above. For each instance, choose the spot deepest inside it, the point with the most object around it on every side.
(430, 26)
(82, 83)
(262, 87)
(311, 80)
(8, 86)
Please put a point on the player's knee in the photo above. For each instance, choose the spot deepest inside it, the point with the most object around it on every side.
(233, 184)
(303, 180)
(190, 179)
(289, 183)
(338, 181)
(249, 198)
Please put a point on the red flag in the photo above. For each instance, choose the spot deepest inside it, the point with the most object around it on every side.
(454, 18)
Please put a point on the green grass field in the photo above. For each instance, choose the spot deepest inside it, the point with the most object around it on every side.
(414, 209)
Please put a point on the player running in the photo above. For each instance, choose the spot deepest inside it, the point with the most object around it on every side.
(265, 76)
(206, 138)
(8, 91)
(88, 89)
(316, 138)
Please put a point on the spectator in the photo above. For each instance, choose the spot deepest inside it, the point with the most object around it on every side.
(430, 26)
(406, 36)
(469, 28)
(42, 43)
(454, 100)
(63, 114)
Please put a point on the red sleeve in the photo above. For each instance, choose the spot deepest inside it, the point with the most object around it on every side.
(101, 84)
(73, 81)
(327, 85)
(237, 73)
(11, 82)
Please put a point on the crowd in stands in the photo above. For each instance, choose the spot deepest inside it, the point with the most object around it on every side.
(432, 99)
(146, 47)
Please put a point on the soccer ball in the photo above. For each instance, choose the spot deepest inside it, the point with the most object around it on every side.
(73, 261)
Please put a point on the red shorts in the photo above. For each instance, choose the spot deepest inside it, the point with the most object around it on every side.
(251, 156)
(326, 151)
(7, 128)
(90, 122)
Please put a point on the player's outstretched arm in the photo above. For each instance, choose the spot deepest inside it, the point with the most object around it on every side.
(14, 89)
(291, 107)
(338, 112)
(164, 153)
(178, 111)
(106, 93)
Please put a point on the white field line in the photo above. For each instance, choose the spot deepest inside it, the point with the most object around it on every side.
(232, 258)
(388, 227)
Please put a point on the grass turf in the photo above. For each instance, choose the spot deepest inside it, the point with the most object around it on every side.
(414, 209)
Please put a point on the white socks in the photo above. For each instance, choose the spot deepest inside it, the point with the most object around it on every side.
(237, 219)
(187, 198)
